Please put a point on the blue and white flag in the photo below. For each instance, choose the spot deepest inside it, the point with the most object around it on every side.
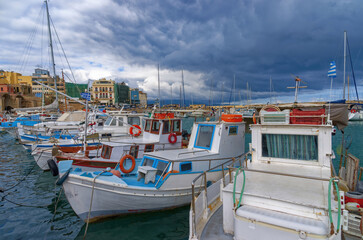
(332, 70)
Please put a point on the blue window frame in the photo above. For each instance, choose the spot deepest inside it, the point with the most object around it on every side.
(204, 137)
(233, 130)
(185, 167)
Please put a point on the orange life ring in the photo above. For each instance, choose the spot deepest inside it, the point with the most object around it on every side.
(138, 132)
(123, 159)
(172, 171)
(353, 111)
(172, 138)
(232, 117)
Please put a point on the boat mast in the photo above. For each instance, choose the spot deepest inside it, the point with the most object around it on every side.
(51, 51)
(183, 87)
(159, 87)
(345, 61)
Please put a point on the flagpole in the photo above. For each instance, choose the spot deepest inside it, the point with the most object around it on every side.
(331, 86)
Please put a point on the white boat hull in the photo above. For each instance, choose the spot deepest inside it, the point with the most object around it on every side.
(357, 116)
(116, 200)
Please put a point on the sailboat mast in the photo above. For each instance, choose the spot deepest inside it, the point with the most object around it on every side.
(183, 87)
(345, 61)
(270, 90)
(51, 51)
(171, 94)
(159, 87)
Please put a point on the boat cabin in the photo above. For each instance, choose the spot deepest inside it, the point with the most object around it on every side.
(211, 143)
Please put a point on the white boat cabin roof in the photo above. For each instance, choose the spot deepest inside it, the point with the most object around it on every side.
(208, 140)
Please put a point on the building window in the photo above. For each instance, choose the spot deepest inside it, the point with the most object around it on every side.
(110, 95)
(110, 89)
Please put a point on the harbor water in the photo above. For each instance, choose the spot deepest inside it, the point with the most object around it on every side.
(27, 205)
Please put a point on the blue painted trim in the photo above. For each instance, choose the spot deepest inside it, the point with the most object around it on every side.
(211, 140)
(182, 163)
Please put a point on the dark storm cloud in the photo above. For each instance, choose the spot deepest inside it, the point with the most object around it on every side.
(215, 40)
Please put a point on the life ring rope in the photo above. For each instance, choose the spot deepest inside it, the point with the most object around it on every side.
(123, 159)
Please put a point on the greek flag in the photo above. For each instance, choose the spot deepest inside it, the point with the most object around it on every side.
(332, 70)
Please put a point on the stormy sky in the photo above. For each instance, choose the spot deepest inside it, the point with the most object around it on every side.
(212, 41)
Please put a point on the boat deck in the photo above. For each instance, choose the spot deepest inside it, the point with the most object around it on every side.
(214, 227)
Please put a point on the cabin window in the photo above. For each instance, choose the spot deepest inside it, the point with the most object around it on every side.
(106, 152)
(155, 126)
(147, 125)
(176, 126)
(233, 130)
(108, 121)
(204, 136)
(185, 167)
(166, 127)
(148, 162)
(149, 148)
(133, 120)
(113, 123)
(161, 165)
(298, 147)
(134, 150)
(120, 121)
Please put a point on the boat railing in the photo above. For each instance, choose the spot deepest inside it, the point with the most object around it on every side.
(203, 201)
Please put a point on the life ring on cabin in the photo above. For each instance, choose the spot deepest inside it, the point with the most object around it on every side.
(123, 159)
(172, 171)
(172, 138)
(4, 120)
(353, 111)
(138, 130)
(81, 129)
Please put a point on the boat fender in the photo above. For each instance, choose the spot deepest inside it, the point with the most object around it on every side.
(123, 159)
(116, 173)
(172, 171)
(172, 138)
(53, 167)
(61, 180)
(137, 129)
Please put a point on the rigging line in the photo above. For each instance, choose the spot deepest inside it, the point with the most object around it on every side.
(351, 65)
(21, 180)
(28, 42)
(69, 66)
(41, 42)
(22, 205)
(32, 40)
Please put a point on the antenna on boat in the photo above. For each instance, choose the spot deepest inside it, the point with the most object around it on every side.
(297, 86)
(159, 86)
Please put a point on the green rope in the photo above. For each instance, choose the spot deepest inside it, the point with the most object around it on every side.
(329, 203)
(234, 187)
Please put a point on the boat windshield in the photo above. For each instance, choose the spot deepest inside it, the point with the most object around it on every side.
(205, 136)
(110, 122)
(133, 120)
(297, 147)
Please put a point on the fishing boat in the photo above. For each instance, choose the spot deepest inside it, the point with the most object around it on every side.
(284, 192)
(163, 178)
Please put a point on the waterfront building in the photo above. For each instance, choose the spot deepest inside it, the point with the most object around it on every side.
(122, 93)
(143, 99)
(102, 91)
(74, 90)
(43, 76)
